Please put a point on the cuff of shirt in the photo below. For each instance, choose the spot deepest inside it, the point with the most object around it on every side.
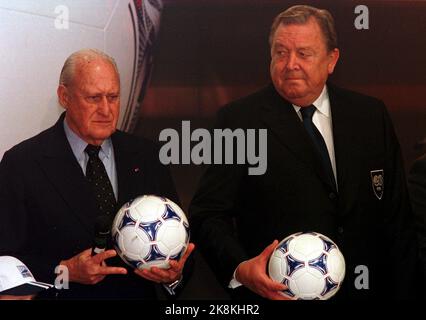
(234, 283)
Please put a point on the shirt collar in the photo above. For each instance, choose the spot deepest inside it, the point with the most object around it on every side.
(78, 145)
(322, 103)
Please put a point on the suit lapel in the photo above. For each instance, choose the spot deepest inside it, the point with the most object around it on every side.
(346, 145)
(63, 171)
(282, 120)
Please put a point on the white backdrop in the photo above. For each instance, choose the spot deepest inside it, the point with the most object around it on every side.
(36, 38)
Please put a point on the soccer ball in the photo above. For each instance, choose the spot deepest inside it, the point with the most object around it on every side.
(149, 231)
(309, 264)
(38, 35)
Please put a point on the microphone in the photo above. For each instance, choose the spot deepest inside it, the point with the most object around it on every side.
(102, 233)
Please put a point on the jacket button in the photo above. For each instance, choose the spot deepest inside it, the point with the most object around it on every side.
(340, 230)
(332, 196)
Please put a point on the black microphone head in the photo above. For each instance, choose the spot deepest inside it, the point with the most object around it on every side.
(102, 225)
(102, 233)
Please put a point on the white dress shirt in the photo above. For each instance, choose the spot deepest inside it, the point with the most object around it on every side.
(323, 121)
(106, 154)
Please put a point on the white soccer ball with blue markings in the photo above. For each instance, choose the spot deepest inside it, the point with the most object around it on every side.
(149, 231)
(309, 264)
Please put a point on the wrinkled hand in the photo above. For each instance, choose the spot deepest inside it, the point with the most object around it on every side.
(85, 269)
(252, 274)
(167, 275)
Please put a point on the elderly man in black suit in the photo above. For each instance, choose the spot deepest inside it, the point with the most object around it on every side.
(334, 166)
(50, 197)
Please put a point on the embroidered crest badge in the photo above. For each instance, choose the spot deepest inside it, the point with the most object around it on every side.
(377, 181)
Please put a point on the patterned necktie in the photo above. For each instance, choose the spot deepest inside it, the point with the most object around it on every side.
(98, 177)
(317, 139)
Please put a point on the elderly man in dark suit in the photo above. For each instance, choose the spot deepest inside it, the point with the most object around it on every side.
(54, 186)
(334, 166)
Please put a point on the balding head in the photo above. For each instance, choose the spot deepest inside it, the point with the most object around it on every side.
(80, 59)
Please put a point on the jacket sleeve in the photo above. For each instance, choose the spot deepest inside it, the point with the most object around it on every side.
(399, 218)
(212, 215)
(417, 188)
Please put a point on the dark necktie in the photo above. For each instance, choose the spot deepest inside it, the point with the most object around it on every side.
(318, 140)
(98, 177)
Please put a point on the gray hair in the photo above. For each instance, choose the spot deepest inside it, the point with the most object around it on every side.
(84, 55)
(300, 14)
